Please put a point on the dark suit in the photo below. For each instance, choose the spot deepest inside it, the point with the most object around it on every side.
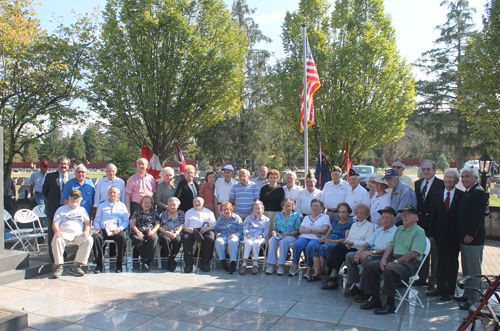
(424, 219)
(184, 193)
(52, 192)
(443, 228)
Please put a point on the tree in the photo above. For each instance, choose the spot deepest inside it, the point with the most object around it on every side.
(370, 159)
(54, 145)
(442, 164)
(76, 150)
(93, 144)
(167, 69)
(367, 89)
(123, 158)
(40, 75)
(30, 154)
(382, 164)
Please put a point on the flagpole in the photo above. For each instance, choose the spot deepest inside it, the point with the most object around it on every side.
(320, 166)
(306, 110)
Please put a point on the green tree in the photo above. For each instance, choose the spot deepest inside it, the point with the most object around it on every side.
(370, 159)
(167, 69)
(442, 164)
(54, 145)
(93, 143)
(123, 158)
(76, 150)
(367, 88)
(30, 153)
(382, 164)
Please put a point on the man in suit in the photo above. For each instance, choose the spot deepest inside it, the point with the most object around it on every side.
(424, 189)
(443, 233)
(471, 232)
(52, 191)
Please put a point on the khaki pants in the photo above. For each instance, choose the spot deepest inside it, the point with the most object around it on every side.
(84, 246)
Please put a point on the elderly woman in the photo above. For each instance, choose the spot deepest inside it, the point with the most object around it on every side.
(285, 232)
(255, 230)
(321, 252)
(380, 200)
(171, 224)
(228, 230)
(313, 227)
(207, 190)
(358, 235)
(165, 189)
(144, 224)
(369, 185)
(272, 195)
(187, 189)
(199, 225)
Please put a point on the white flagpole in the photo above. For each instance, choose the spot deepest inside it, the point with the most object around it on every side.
(306, 110)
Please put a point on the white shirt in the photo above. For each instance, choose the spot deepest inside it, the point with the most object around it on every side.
(36, 179)
(293, 193)
(378, 204)
(452, 194)
(260, 182)
(429, 184)
(71, 220)
(303, 203)
(359, 233)
(195, 219)
(333, 194)
(62, 178)
(102, 188)
(223, 189)
(318, 223)
(357, 196)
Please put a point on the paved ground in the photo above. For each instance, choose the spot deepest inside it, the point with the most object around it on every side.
(214, 301)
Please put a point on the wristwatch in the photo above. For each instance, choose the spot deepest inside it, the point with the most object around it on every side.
(374, 252)
(396, 261)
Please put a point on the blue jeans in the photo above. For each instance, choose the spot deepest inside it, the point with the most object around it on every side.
(232, 247)
(39, 199)
(298, 248)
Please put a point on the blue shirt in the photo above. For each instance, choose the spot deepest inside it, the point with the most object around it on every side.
(87, 190)
(380, 239)
(227, 227)
(244, 196)
(256, 227)
(108, 211)
(290, 224)
(403, 195)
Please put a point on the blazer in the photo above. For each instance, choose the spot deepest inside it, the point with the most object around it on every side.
(424, 206)
(444, 224)
(52, 193)
(184, 193)
(471, 212)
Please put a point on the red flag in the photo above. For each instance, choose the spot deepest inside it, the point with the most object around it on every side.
(182, 162)
(347, 160)
(154, 166)
(313, 85)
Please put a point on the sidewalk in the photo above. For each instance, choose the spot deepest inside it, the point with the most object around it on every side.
(213, 301)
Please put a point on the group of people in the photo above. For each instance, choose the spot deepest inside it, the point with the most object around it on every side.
(343, 223)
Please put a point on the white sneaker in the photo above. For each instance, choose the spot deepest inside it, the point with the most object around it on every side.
(270, 269)
(281, 270)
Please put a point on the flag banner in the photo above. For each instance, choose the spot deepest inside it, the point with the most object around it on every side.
(347, 160)
(182, 162)
(321, 170)
(313, 84)
(154, 165)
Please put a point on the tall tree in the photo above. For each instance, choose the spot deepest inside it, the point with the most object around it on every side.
(54, 145)
(76, 150)
(437, 113)
(167, 69)
(93, 143)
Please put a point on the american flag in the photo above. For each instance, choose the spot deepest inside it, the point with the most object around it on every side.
(182, 162)
(313, 85)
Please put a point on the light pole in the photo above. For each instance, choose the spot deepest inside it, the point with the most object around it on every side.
(484, 168)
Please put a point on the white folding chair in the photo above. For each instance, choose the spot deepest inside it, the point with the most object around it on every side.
(26, 216)
(241, 248)
(40, 212)
(412, 279)
(15, 231)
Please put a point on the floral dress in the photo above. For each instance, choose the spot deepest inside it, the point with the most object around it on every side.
(337, 231)
(145, 222)
(290, 224)
(171, 224)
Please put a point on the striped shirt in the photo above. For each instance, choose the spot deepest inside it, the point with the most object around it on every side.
(244, 196)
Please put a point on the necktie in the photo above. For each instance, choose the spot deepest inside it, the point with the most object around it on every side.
(447, 202)
(424, 189)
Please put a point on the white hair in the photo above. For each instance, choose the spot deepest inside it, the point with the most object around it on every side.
(166, 170)
(472, 171)
(81, 166)
(454, 171)
(245, 171)
(291, 173)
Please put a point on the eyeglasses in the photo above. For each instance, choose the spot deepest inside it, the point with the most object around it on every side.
(81, 172)
(426, 169)
(397, 167)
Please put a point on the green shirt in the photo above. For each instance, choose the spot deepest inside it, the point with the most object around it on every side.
(412, 239)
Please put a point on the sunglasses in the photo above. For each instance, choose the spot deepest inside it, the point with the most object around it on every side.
(396, 167)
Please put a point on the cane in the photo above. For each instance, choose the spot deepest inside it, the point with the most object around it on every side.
(198, 257)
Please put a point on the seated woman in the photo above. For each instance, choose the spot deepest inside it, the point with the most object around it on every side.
(165, 190)
(358, 234)
(255, 230)
(198, 220)
(313, 227)
(228, 230)
(321, 252)
(207, 190)
(286, 227)
(171, 224)
(144, 224)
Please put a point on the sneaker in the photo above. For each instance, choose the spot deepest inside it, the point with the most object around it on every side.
(270, 269)
(243, 269)
(281, 270)
(76, 271)
(58, 272)
(255, 269)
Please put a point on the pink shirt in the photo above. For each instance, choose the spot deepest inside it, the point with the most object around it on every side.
(139, 186)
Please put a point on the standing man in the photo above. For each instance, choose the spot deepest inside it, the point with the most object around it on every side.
(471, 233)
(291, 190)
(36, 183)
(401, 194)
(262, 179)
(223, 187)
(443, 233)
(244, 194)
(52, 191)
(356, 194)
(139, 185)
(334, 192)
(103, 185)
(399, 166)
(84, 185)
(303, 203)
(425, 188)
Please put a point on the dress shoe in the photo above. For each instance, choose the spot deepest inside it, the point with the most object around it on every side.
(446, 297)
(352, 292)
(460, 299)
(361, 297)
(372, 304)
(98, 269)
(188, 269)
(434, 293)
(431, 287)
(419, 283)
(232, 267)
(386, 309)
(118, 270)
(205, 267)
(465, 306)
(225, 267)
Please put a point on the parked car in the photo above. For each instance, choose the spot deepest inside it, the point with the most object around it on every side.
(472, 164)
(364, 171)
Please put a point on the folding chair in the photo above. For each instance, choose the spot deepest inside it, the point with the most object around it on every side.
(15, 231)
(412, 279)
(241, 248)
(40, 212)
(26, 216)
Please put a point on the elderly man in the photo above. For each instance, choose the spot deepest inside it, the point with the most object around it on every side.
(103, 185)
(334, 192)
(425, 188)
(291, 190)
(262, 179)
(399, 166)
(71, 225)
(199, 220)
(244, 194)
(471, 233)
(36, 183)
(443, 233)
(84, 185)
(401, 194)
(111, 222)
(372, 250)
(139, 185)
(400, 261)
(303, 203)
(223, 187)
(356, 194)
(52, 190)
